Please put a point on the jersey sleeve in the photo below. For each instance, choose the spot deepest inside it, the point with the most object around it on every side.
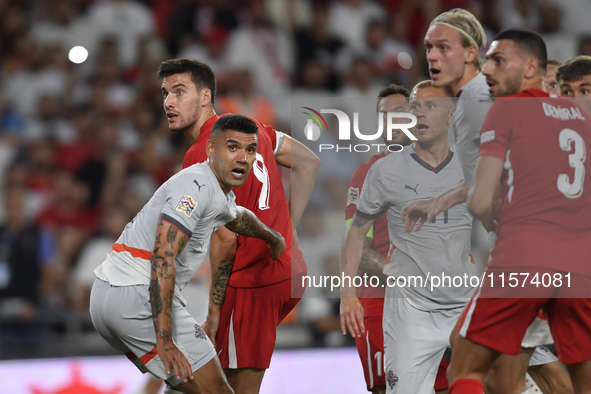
(186, 202)
(497, 130)
(276, 137)
(372, 198)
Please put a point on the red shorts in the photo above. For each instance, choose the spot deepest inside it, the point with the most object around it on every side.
(371, 349)
(500, 323)
(249, 320)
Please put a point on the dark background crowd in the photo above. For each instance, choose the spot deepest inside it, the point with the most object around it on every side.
(84, 146)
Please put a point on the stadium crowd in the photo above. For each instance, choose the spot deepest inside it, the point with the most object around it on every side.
(84, 146)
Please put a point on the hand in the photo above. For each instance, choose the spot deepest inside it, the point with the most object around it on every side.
(278, 246)
(415, 213)
(490, 223)
(211, 325)
(174, 360)
(352, 317)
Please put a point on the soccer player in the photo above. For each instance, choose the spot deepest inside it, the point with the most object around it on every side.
(452, 43)
(550, 85)
(250, 292)
(370, 345)
(417, 322)
(537, 151)
(136, 302)
(574, 78)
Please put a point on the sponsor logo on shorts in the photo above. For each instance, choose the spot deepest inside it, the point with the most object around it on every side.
(391, 378)
(186, 205)
(352, 196)
(199, 333)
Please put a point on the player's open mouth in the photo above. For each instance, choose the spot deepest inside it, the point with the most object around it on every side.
(434, 72)
(171, 116)
(490, 83)
(422, 128)
(238, 172)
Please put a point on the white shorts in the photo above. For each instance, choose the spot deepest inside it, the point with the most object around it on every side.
(542, 356)
(537, 334)
(414, 343)
(123, 317)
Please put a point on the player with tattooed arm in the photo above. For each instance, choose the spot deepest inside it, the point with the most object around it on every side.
(136, 302)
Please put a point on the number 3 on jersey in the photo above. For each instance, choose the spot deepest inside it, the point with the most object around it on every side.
(261, 173)
(569, 140)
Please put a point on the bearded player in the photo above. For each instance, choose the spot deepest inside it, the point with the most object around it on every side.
(536, 147)
(452, 43)
(250, 293)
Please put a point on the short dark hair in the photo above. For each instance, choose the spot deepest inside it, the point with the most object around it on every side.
(529, 41)
(201, 74)
(552, 62)
(239, 123)
(574, 69)
(391, 90)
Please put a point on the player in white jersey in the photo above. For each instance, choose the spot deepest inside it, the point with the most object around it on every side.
(452, 43)
(417, 320)
(135, 302)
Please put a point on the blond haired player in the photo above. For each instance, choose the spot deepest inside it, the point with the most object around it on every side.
(452, 42)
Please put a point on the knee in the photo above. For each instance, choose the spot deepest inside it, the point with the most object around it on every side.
(493, 383)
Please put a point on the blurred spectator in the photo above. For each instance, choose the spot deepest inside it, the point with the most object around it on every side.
(584, 46)
(243, 100)
(26, 86)
(319, 307)
(576, 15)
(318, 44)
(263, 48)
(523, 14)
(290, 16)
(68, 207)
(212, 52)
(560, 45)
(24, 253)
(49, 123)
(128, 21)
(12, 26)
(348, 20)
(360, 80)
(60, 25)
(93, 253)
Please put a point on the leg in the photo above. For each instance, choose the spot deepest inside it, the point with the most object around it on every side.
(370, 345)
(470, 362)
(580, 374)
(245, 380)
(551, 378)
(208, 379)
(507, 374)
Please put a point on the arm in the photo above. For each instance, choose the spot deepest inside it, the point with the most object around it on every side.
(422, 211)
(485, 187)
(304, 166)
(248, 225)
(169, 243)
(371, 261)
(222, 251)
(351, 310)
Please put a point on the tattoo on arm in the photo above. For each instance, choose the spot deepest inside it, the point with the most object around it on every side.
(220, 281)
(371, 261)
(358, 222)
(247, 224)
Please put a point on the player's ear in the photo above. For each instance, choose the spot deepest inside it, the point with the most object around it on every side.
(209, 148)
(471, 53)
(532, 67)
(205, 96)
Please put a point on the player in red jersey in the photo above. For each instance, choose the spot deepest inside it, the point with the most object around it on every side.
(370, 345)
(250, 293)
(535, 146)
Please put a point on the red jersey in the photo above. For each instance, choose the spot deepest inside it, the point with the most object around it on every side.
(263, 194)
(546, 216)
(381, 241)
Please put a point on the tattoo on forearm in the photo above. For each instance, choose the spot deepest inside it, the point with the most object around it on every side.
(250, 226)
(371, 261)
(220, 282)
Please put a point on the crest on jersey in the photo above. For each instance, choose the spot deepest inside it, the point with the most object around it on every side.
(352, 196)
(186, 205)
(391, 378)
